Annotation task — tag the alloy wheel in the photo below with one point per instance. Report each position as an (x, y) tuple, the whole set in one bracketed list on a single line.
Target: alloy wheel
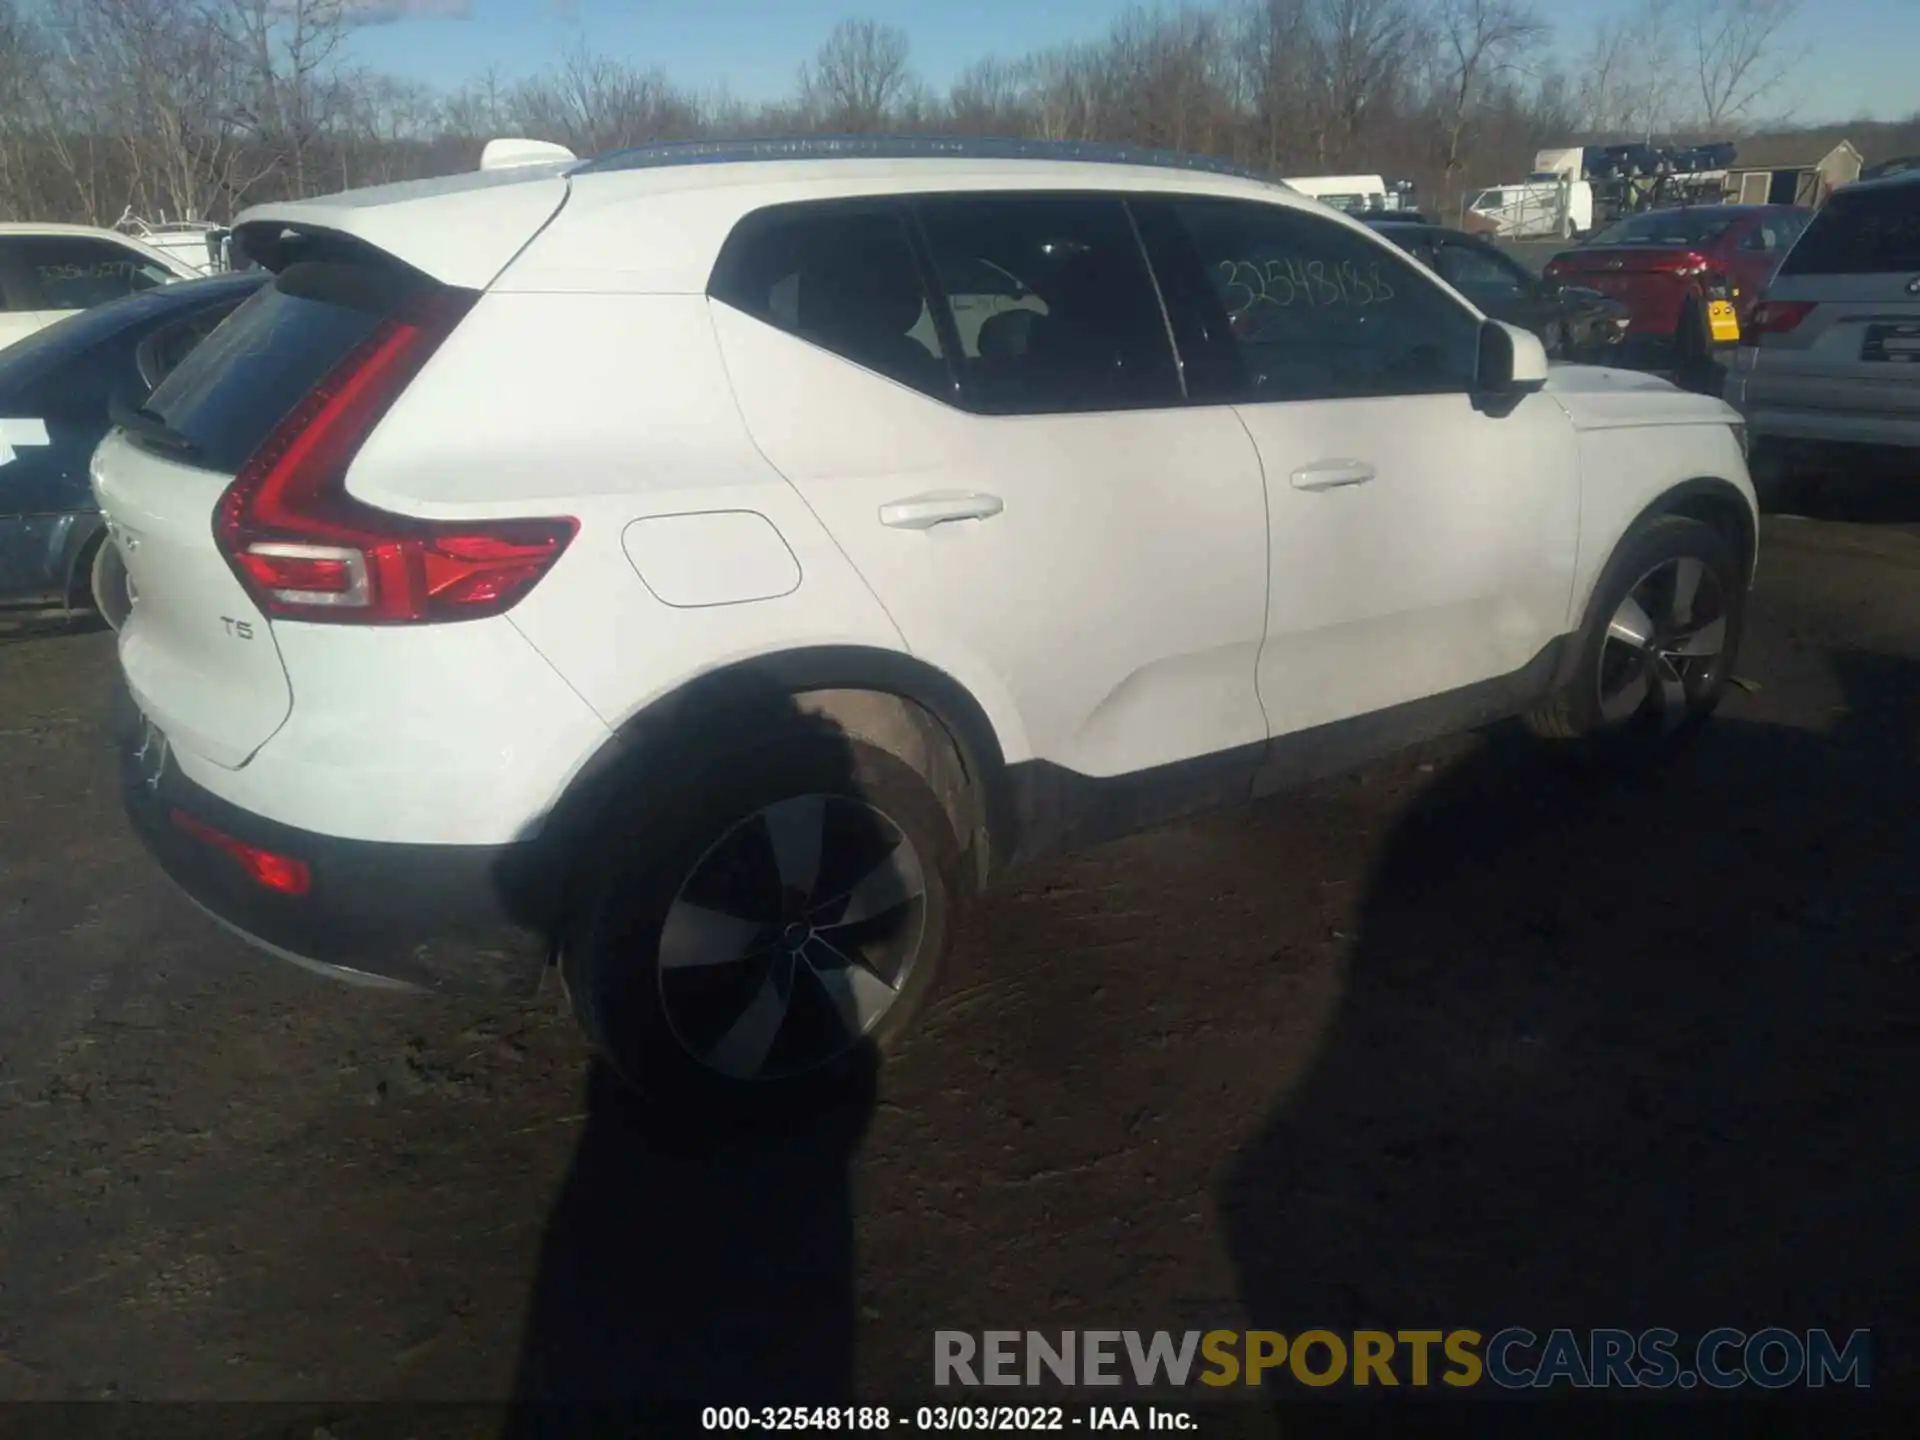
[(792, 938), (1663, 645)]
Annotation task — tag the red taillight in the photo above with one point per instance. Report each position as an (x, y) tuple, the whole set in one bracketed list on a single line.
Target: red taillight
[(1688, 263), (1775, 317), (306, 549), (275, 872)]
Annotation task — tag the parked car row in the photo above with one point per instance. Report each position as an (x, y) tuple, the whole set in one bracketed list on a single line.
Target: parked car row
[(1690, 275), (58, 390), (1574, 322)]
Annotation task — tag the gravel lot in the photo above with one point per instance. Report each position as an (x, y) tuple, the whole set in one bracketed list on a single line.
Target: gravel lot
[(1465, 1039)]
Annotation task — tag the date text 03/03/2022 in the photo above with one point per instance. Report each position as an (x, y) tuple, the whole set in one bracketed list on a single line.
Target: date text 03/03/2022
[(976, 1419)]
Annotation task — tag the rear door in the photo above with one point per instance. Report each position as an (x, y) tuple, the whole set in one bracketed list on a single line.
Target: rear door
[(198, 655), (1851, 289), (1007, 461)]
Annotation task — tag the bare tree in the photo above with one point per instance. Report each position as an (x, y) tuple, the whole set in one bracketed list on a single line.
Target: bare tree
[(1631, 81), (592, 103), (147, 83), (1478, 40), (990, 98), (1068, 95), (1279, 54), (284, 54), (859, 75), (197, 107), (1366, 46), (1737, 55)]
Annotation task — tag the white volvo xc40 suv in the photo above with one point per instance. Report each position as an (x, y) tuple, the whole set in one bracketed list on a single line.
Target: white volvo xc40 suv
[(704, 565)]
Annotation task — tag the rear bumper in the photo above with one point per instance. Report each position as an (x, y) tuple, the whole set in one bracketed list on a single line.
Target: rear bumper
[(449, 918)]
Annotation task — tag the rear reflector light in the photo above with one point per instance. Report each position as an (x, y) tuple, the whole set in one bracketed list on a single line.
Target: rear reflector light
[(1776, 317), (306, 549), (281, 873)]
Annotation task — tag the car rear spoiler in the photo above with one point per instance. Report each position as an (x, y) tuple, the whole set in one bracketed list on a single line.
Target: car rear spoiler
[(461, 230)]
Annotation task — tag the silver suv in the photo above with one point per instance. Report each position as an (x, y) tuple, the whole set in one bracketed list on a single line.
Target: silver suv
[(1831, 354)]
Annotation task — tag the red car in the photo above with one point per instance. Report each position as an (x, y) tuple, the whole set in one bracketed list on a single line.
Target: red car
[(1668, 265)]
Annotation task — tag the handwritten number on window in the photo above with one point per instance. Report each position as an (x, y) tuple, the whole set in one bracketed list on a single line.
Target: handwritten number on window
[(1247, 286)]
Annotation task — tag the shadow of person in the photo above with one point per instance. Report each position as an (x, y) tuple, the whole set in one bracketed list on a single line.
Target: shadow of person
[(700, 1250), (684, 1270), (1615, 1053)]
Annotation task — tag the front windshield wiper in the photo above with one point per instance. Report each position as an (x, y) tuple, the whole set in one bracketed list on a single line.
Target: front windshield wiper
[(141, 422)]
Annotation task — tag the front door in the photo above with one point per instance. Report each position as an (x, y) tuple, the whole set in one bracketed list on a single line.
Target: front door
[(1421, 544), (1006, 460)]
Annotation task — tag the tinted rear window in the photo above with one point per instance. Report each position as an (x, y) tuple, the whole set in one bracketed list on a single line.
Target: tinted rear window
[(261, 361), (1665, 227), (1861, 232)]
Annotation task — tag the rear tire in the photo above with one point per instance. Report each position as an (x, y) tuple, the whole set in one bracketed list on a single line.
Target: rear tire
[(1658, 646), (107, 582), (763, 926)]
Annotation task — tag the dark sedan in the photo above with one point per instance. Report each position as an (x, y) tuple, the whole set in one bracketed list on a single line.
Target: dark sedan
[(55, 389), (1573, 322)]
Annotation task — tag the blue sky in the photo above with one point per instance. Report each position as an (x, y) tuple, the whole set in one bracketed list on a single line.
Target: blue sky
[(1859, 54)]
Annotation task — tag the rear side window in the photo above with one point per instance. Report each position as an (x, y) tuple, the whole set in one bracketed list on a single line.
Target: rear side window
[(1678, 226), (162, 352), (842, 277), (233, 387), (1482, 274), (1861, 232), (76, 272), (1052, 305)]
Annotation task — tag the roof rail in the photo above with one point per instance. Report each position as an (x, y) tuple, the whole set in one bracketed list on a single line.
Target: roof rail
[(901, 147)]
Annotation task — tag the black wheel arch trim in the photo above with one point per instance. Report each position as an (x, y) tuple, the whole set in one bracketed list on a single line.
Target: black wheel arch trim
[(1675, 500), (727, 700)]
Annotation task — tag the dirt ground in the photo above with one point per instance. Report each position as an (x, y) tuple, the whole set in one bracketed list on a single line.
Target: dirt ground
[(1466, 1039)]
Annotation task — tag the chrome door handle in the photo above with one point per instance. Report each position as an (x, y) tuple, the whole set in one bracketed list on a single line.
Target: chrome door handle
[(1332, 474), (923, 512)]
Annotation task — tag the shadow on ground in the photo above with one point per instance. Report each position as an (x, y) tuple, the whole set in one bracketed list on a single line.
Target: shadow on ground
[(1857, 485), (676, 1272), (699, 1254), (1584, 1075)]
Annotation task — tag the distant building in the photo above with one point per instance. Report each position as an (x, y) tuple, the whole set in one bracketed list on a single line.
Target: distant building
[(1790, 170)]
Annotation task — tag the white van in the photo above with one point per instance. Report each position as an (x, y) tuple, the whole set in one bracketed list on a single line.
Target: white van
[(1356, 194), (1530, 209)]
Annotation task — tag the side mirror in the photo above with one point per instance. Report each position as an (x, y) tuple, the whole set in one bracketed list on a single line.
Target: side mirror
[(1512, 361)]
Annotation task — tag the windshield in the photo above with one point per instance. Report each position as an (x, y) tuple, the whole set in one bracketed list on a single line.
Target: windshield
[(1665, 227), (1491, 200)]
